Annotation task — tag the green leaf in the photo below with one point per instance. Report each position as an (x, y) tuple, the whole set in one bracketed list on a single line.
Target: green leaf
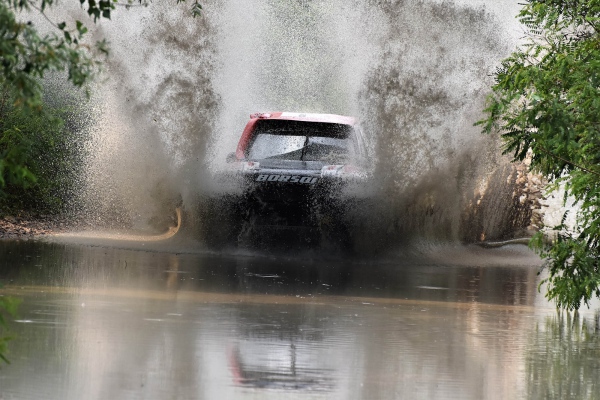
[(546, 105)]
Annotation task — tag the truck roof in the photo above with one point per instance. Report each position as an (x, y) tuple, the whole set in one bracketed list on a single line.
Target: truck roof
[(308, 117)]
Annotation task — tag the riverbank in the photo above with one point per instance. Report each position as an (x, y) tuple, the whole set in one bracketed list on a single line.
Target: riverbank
[(28, 226)]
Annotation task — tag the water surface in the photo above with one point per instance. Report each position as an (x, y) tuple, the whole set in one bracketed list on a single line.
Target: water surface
[(454, 322)]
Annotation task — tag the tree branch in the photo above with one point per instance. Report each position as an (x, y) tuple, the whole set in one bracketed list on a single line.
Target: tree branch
[(547, 152)]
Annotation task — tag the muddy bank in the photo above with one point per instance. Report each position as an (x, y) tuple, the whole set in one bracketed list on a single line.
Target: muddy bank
[(28, 226)]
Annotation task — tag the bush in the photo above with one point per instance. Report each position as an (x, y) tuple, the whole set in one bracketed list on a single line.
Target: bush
[(546, 103), (41, 153)]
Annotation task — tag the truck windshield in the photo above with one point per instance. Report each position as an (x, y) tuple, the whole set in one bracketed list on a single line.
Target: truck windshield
[(302, 141)]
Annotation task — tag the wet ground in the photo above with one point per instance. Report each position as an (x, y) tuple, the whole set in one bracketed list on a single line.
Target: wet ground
[(121, 321)]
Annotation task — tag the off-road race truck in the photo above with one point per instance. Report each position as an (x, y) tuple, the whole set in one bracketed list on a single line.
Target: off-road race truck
[(299, 177)]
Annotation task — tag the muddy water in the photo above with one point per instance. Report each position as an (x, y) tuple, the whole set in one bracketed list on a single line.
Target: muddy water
[(100, 322)]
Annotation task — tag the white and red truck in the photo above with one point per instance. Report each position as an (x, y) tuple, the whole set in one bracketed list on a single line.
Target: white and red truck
[(296, 172)]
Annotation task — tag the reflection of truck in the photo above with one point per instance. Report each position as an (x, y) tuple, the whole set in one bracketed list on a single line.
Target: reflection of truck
[(270, 364), (296, 173), (283, 348)]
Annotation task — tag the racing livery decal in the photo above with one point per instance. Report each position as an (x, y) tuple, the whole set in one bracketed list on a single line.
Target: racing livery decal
[(286, 178)]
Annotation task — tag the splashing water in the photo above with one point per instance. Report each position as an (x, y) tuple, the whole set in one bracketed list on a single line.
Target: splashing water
[(159, 111), (439, 177), (414, 72)]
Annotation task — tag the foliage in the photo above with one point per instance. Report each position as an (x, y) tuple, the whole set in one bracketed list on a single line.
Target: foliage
[(47, 148), (546, 103), (26, 54), (8, 307)]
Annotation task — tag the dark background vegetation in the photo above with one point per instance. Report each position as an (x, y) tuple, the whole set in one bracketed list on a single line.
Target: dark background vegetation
[(42, 152)]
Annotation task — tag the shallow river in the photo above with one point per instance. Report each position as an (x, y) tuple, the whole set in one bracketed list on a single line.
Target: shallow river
[(446, 322)]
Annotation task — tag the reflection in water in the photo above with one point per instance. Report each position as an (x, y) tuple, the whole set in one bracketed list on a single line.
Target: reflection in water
[(172, 273), (563, 359), (280, 349), (102, 323)]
